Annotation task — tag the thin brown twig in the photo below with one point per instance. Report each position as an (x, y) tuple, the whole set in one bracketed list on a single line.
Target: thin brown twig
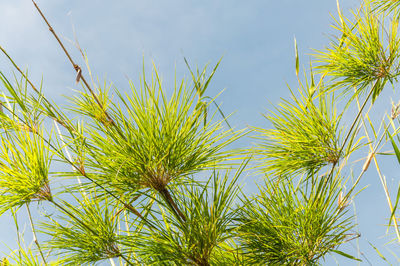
[(171, 203), (75, 66), (78, 69), (68, 126)]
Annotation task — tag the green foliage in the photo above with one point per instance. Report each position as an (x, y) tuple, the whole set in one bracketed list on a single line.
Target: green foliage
[(385, 5), (24, 170), (24, 258), (85, 104), (155, 140), (83, 234), (205, 238), (140, 159), (365, 52), (304, 137), (287, 224)]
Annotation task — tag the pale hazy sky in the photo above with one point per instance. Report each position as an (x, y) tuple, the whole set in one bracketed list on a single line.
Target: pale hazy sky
[(255, 39)]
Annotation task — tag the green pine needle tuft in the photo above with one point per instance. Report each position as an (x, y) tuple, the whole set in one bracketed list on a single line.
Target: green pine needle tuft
[(24, 169), (287, 224), (304, 137), (363, 54)]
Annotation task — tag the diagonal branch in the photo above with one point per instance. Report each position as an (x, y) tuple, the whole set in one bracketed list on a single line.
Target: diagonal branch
[(76, 66), (171, 203), (354, 123)]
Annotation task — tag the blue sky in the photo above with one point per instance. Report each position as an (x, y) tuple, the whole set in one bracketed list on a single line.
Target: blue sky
[(255, 39)]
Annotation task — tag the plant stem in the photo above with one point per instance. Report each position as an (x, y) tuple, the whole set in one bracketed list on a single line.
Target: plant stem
[(68, 126), (171, 203), (353, 124), (76, 67), (358, 115), (381, 177), (34, 234), (125, 259)]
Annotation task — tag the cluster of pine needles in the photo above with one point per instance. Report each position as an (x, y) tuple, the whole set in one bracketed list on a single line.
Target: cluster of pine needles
[(150, 176)]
